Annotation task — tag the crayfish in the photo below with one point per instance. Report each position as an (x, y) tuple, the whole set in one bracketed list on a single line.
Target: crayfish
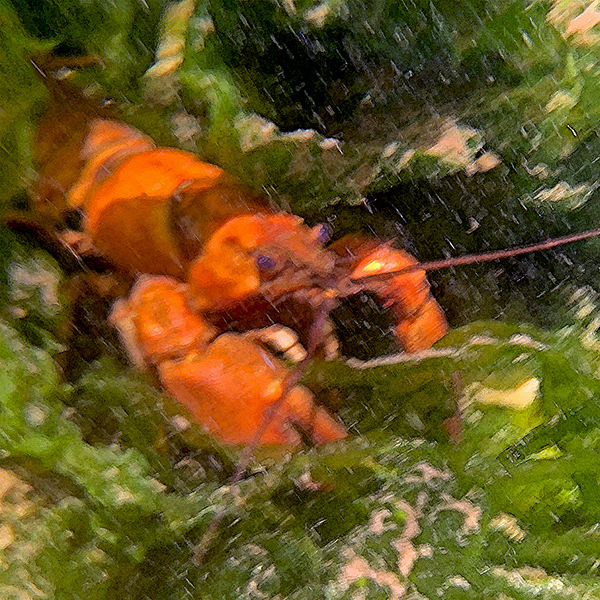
[(199, 248)]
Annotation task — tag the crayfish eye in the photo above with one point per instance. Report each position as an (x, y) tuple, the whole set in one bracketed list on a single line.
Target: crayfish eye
[(265, 263), (323, 232)]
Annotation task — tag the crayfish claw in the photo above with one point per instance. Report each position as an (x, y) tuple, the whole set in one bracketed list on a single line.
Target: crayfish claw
[(155, 323), (231, 388), (425, 327), (313, 419), (282, 341), (420, 320)]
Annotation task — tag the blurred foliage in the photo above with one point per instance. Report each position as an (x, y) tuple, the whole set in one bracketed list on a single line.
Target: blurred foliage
[(517, 501), (452, 127)]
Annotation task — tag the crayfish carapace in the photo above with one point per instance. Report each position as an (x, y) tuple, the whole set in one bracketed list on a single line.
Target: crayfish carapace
[(199, 245)]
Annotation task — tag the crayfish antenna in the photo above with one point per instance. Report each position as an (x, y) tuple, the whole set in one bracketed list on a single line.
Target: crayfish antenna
[(471, 259)]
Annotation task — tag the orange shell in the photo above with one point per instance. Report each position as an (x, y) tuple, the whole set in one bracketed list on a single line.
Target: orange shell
[(420, 331), (105, 133), (229, 388), (218, 280), (226, 271), (128, 215), (163, 325), (421, 321), (102, 159)]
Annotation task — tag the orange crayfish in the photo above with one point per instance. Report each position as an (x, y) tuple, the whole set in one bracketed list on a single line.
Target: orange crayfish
[(201, 247)]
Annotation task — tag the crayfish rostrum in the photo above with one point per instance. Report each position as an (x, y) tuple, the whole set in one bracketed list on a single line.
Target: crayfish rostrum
[(199, 246)]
